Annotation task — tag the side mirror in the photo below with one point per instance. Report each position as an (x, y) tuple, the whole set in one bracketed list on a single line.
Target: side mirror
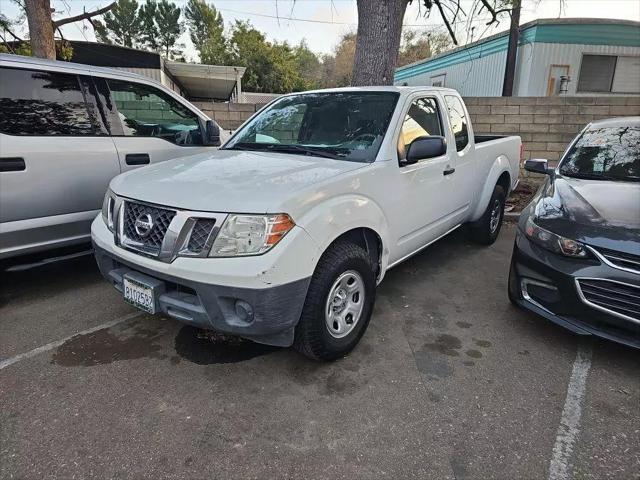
[(211, 136), (537, 165), (426, 147)]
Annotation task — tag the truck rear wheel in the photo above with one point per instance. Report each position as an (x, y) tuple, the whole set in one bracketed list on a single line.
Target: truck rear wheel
[(339, 303), (486, 229)]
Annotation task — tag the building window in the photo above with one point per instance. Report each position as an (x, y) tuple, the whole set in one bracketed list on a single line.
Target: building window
[(609, 74)]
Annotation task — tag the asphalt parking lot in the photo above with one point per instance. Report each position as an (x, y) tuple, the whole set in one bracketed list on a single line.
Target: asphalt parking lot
[(449, 381)]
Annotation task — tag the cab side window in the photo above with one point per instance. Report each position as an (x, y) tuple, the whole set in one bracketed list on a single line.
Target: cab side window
[(459, 122), (422, 119), (43, 103), (148, 112)]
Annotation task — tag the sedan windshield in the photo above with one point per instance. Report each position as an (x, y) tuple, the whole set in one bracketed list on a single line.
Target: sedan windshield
[(611, 153), (338, 125)]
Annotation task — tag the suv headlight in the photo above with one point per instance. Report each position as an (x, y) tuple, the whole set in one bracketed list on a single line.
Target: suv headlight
[(555, 243), (107, 209), (250, 234)]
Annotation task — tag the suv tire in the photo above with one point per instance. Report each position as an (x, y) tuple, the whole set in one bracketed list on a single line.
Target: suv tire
[(339, 303)]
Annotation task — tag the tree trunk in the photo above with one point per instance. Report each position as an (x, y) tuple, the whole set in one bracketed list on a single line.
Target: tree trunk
[(378, 41), (40, 28)]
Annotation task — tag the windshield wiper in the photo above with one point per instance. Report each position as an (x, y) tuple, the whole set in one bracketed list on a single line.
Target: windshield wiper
[(285, 148)]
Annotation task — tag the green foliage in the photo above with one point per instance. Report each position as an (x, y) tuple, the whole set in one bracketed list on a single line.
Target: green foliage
[(417, 46), (169, 26), (206, 29), (121, 26), (149, 30)]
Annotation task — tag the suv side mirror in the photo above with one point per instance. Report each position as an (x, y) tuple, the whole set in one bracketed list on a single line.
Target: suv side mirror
[(537, 165), (426, 147), (211, 136)]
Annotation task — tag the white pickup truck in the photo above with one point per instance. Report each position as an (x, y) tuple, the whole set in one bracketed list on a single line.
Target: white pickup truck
[(282, 235)]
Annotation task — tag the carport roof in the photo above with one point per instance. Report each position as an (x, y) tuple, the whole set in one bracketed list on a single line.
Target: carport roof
[(205, 81)]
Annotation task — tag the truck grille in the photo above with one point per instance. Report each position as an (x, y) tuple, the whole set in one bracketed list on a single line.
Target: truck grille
[(621, 260), (149, 240), (200, 234), (620, 299)]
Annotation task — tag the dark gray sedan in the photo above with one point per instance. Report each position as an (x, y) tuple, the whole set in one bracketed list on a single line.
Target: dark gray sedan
[(576, 258)]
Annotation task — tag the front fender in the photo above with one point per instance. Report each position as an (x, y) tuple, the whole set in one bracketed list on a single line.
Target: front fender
[(500, 166), (329, 219)]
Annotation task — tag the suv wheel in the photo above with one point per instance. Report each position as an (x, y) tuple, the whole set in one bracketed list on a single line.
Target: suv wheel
[(485, 230), (339, 303)]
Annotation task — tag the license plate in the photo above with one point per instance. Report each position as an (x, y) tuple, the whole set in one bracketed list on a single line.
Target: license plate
[(139, 295)]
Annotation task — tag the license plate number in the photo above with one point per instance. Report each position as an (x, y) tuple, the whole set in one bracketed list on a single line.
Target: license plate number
[(139, 295)]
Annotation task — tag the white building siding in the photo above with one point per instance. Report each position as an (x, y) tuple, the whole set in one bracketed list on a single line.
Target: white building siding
[(547, 54), (480, 77)]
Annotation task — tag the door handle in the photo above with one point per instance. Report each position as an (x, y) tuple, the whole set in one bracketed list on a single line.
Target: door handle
[(449, 171), (12, 164), (137, 158)]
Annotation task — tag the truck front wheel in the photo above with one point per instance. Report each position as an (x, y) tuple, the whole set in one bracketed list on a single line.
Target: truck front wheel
[(486, 229), (339, 303)]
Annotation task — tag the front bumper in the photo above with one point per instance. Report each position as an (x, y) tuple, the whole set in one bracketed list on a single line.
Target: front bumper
[(259, 298), (546, 284)]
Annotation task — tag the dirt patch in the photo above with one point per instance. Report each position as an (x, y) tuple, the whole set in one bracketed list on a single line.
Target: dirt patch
[(522, 195)]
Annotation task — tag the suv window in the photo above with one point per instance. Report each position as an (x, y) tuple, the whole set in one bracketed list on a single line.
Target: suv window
[(458, 121), (43, 103), (148, 112), (422, 119)]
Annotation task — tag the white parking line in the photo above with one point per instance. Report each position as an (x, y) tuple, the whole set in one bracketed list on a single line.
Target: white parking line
[(569, 428), (50, 346)]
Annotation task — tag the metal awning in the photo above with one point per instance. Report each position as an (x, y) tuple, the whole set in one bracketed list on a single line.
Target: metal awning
[(206, 81)]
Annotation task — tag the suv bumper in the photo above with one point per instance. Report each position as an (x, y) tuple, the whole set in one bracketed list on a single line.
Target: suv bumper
[(212, 294)]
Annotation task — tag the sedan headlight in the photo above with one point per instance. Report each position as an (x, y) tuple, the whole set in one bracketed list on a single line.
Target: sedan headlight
[(250, 234), (107, 209), (555, 243)]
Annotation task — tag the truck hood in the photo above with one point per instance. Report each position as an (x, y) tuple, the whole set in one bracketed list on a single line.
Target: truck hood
[(228, 180)]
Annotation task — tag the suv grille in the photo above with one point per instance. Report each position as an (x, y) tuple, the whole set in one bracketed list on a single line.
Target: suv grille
[(200, 234), (622, 260), (160, 220), (617, 298)]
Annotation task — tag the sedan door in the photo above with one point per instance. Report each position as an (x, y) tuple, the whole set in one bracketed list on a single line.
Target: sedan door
[(150, 126), (56, 159)]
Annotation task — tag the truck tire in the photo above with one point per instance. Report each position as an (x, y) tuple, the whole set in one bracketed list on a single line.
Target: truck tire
[(339, 303), (485, 230)]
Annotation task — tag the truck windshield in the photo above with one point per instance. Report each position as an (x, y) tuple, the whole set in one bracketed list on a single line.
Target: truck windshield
[(611, 153), (339, 125)]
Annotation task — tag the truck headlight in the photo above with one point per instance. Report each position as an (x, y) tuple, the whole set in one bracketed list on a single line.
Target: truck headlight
[(555, 243), (107, 209), (250, 234)]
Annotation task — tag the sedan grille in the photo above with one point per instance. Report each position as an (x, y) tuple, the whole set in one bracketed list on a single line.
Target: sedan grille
[(200, 235), (622, 260), (619, 299), (146, 225)]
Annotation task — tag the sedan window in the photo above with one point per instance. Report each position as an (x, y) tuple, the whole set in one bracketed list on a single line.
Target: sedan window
[(611, 153)]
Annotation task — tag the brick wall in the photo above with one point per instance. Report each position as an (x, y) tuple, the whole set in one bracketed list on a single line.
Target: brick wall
[(545, 124), (228, 115)]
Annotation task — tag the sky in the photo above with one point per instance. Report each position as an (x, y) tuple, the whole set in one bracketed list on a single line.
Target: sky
[(322, 22)]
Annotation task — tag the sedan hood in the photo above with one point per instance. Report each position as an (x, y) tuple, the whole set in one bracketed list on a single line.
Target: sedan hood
[(228, 180), (596, 212)]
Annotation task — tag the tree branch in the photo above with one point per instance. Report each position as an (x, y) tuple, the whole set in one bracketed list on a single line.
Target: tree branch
[(83, 16), (494, 13), (446, 21)]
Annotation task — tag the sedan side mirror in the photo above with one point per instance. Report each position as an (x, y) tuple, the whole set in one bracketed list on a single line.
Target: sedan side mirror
[(538, 165), (211, 135), (426, 147)]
